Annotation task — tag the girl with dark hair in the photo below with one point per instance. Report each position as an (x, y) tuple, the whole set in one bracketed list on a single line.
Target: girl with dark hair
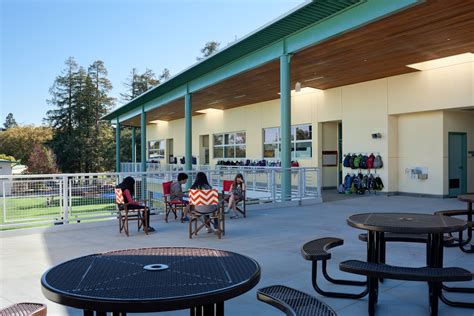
[(236, 194), (128, 191), (201, 183)]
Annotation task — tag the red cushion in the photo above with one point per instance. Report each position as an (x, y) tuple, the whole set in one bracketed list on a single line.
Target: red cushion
[(167, 187), (226, 185), (176, 202)]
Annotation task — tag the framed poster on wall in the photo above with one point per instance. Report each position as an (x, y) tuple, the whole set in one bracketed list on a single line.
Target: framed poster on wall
[(329, 158)]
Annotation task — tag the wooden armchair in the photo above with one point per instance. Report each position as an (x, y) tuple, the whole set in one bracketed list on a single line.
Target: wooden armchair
[(198, 219), (226, 195), (26, 309), (172, 205), (126, 214)]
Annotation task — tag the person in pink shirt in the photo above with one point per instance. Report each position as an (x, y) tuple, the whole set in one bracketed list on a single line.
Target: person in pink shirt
[(128, 190)]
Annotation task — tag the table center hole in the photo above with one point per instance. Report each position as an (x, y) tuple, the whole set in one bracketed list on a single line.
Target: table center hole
[(156, 267)]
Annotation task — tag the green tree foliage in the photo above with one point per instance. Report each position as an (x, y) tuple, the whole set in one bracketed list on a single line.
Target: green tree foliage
[(19, 141), (81, 142), (42, 161), (208, 49), (9, 121), (137, 83)]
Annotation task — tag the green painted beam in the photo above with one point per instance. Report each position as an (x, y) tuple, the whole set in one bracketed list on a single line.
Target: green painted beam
[(345, 21), (356, 16)]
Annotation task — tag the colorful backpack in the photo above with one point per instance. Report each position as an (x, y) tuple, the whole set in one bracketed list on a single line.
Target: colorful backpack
[(378, 163), (370, 161), (357, 160), (363, 162), (346, 162)]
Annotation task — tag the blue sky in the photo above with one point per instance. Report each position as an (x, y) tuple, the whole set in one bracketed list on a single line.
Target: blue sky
[(38, 35)]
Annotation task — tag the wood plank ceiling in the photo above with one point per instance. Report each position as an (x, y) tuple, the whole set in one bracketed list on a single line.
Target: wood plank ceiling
[(431, 30)]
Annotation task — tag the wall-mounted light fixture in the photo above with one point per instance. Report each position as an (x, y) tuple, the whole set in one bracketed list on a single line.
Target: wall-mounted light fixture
[(376, 135), (298, 86)]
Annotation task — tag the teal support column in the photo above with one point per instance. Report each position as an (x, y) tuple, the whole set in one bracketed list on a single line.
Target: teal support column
[(143, 150), (285, 125), (143, 140), (117, 146), (188, 135), (134, 148)]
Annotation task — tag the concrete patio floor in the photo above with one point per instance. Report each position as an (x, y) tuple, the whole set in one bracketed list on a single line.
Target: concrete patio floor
[(273, 237)]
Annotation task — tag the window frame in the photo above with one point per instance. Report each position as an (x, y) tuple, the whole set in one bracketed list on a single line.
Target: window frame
[(229, 143), (294, 142), (161, 148)]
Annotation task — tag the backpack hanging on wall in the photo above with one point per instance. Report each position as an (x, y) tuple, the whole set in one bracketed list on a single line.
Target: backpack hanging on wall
[(370, 161), (346, 163), (378, 184), (357, 160), (378, 163), (363, 162), (351, 161)]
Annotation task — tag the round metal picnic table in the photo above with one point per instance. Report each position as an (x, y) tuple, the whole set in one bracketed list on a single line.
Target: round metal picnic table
[(435, 226), (151, 280)]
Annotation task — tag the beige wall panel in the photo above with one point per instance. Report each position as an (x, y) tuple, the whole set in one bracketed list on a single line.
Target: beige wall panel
[(462, 122), (364, 112), (330, 105), (329, 142), (441, 88), (420, 145), (392, 166)]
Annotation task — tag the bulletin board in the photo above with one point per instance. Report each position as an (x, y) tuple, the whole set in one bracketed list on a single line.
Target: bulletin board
[(330, 158)]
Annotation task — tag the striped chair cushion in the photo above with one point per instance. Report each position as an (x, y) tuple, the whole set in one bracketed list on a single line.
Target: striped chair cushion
[(119, 196), (203, 197)]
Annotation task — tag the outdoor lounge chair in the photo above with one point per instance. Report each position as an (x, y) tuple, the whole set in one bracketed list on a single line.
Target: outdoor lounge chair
[(226, 194), (125, 215), (24, 309), (200, 220), (172, 205)]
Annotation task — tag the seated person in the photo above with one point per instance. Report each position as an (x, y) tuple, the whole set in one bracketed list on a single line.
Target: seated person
[(236, 194), (201, 183), (128, 190), (177, 194)]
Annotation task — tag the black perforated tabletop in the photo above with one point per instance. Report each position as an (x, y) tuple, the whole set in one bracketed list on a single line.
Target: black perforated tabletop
[(119, 281), (406, 223)]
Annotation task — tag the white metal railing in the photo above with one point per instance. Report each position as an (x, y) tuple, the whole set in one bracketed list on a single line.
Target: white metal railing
[(32, 200), (153, 166)]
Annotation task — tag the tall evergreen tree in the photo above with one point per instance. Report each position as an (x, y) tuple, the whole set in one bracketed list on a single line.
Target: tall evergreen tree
[(9, 121), (81, 141)]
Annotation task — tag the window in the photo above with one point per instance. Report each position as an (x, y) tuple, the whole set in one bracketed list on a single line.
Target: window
[(301, 136), (230, 145), (156, 149)]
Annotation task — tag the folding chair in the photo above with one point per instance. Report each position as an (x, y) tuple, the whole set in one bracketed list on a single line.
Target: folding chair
[(24, 309), (226, 195), (125, 214), (205, 198), (172, 205)]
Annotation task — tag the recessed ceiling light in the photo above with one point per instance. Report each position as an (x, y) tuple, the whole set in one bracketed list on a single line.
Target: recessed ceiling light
[(443, 62), (158, 121), (209, 110)]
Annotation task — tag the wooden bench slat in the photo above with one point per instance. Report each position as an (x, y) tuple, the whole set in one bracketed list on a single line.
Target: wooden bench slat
[(294, 302), (317, 249), (450, 274)]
